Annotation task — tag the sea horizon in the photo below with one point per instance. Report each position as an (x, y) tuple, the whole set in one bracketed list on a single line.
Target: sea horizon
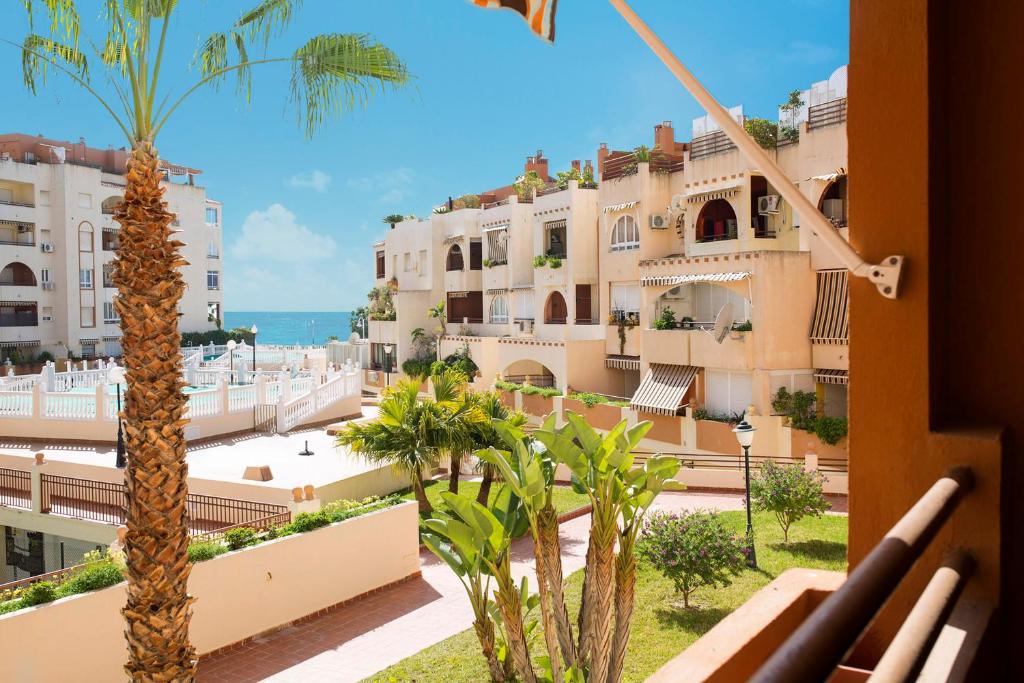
[(292, 327)]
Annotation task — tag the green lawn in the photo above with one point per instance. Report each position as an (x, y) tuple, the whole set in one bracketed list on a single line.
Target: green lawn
[(565, 499), (661, 629)]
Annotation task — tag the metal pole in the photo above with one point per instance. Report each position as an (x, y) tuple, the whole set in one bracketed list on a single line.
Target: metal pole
[(254, 354), (121, 460), (751, 555)]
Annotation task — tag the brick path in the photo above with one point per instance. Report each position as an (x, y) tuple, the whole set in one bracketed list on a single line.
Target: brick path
[(382, 629)]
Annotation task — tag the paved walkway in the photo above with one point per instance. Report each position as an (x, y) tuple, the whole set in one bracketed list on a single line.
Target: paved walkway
[(382, 629)]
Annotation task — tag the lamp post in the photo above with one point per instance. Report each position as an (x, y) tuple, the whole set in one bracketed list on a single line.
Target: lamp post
[(744, 432), (231, 359), (115, 374), (254, 331), (388, 348)]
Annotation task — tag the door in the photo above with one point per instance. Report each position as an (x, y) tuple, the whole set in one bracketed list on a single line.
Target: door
[(476, 255), (583, 313), (556, 309)]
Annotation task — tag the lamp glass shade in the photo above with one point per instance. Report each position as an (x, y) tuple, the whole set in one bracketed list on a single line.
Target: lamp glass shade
[(253, 329), (231, 344), (388, 348), (115, 375), (744, 432)]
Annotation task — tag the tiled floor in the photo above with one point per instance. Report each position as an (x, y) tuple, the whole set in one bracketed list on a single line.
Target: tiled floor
[(375, 632)]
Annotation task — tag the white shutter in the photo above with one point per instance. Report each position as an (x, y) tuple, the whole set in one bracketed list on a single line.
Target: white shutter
[(524, 305), (741, 392), (716, 391)]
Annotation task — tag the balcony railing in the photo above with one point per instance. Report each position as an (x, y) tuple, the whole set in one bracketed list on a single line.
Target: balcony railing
[(710, 145), (544, 381), (20, 243), (827, 114), (730, 234), (819, 645), (29, 205), (19, 319), (15, 488)]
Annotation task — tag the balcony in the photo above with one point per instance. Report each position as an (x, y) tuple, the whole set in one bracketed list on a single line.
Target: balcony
[(613, 345), (18, 314), (827, 114), (698, 347), (710, 145), (496, 277), (463, 280), (384, 331), (18, 212)]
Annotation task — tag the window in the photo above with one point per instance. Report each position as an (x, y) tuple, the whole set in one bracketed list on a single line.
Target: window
[(213, 312), (6, 195), (44, 276), (88, 316), (108, 275), (110, 313), (454, 261), (84, 200), (213, 279), (380, 265), (422, 263), (85, 237), (708, 300), (716, 221), (88, 349), (524, 304), (85, 278), (497, 245), (625, 234), (407, 261), (555, 239), (476, 255), (212, 250), (211, 216), (111, 239), (17, 315), (499, 309), (380, 359), (44, 197), (625, 301), (727, 393), (47, 314)]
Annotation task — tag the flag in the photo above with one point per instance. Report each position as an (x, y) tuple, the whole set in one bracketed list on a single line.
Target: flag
[(540, 14)]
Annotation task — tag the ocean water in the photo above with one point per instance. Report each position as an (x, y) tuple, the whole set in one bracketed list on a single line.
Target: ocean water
[(292, 327)]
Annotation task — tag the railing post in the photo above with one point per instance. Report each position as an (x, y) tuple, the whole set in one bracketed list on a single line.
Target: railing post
[(261, 388), (286, 387), (100, 408), (48, 378), (225, 406), (37, 401), (37, 484)]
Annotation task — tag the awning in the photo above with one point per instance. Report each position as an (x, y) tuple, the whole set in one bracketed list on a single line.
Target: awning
[(619, 207), (707, 195), (19, 343), (17, 303), (89, 341), (555, 224), (111, 337), (496, 291), (832, 376), (458, 295), (520, 288), (662, 390), (662, 280), (622, 362), (831, 323), (828, 177), (495, 228)]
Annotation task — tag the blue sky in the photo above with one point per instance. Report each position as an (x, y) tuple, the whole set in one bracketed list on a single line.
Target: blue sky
[(300, 213)]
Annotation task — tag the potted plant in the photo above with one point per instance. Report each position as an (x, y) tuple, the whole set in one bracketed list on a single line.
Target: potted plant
[(666, 321), (687, 323)]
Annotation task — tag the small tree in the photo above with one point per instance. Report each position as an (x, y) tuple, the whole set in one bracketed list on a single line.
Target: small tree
[(693, 549), (764, 132), (790, 492), (527, 184)]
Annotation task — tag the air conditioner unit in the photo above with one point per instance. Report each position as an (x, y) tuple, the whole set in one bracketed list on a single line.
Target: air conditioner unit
[(46, 247), (47, 318), (659, 222), (48, 286), (768, 203)]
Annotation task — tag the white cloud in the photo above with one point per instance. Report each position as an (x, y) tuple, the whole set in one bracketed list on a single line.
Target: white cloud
[(390, 186), (274, 236), (316, 180)]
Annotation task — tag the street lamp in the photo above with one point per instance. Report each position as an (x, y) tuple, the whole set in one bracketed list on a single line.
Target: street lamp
[(744, 432), (231, 359), (254, 331), (388, 348), (115, 375)]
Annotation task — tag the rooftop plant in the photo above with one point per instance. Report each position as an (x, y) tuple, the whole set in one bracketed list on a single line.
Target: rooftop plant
[(764, 132)]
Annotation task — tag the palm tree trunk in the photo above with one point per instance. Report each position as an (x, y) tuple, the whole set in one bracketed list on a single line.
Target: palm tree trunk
[(484, 627), (484, 494), (625, 586), (595, 641), (547, 614), (511, 608), (547, 523), (146, 272), (454, 464), (421, 495)]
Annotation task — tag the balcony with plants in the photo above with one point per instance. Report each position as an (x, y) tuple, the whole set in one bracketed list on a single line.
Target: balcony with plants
[(676, 337)]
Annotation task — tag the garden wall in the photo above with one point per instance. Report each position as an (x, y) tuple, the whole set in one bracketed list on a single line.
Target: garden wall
[(238, 595), (601, 416)]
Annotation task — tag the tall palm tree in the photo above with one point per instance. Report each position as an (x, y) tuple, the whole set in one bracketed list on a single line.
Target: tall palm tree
[(450, 395), (330, 74)]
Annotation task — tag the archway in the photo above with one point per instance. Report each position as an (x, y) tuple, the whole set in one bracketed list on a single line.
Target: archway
[(834, 201), (716, 221), (110, 204), (18, 275), (537, 373), (454, 261), (555, 310)]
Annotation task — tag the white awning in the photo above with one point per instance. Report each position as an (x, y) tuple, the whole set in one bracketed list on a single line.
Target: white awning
[(19, 342), (619, 207), (828, 177), (494, 228), (663, 389), (662, 280), (709, 193), (622, 362)]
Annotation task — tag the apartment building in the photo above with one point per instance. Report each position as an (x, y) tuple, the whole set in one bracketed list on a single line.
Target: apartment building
[(57, 241), (681, 279)]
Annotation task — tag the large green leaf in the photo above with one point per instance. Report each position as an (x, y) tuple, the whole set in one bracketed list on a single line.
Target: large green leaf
[(443, 550)]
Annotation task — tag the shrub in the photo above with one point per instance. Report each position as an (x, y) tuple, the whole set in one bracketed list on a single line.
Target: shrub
[(540, 261), (554, 262), (45, 357), (308, 521), (590, 400), (764, 132), (693, 549), (39, 593), (547, 392), (414, 367), (92, 577), (745, 326), (437, 367), (798, 407), (204, 550), (831, 429), (240, 537), (666, 321), (790, 492)]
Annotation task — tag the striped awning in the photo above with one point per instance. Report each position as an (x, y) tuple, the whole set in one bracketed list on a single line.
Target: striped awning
[(111, 337), (497, 291), (832, 376), (555, 224), (494, 228), (828, 177), (619, 207), (831, 323), (622, 362), (662, 390), (19, 343), (458, 295), (89, 340), (662, 280), (520, 288), (713, 193)]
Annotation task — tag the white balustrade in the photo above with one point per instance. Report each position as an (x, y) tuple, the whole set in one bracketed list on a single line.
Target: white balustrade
[(204, 403), (15, 403), (241, 397), (68, 406)]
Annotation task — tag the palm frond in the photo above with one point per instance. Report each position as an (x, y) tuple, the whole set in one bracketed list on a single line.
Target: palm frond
[(335, 73), (39, 52), (212, 56), (267, 19), (62, 17), (245, 72)]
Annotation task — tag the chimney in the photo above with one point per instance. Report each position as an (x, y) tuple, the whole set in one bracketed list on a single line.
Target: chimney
[(665, 137), (602, 154), (538, 163), (576, 165)]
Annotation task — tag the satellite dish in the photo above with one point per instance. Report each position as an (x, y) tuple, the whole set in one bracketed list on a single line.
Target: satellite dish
[(723, 322)]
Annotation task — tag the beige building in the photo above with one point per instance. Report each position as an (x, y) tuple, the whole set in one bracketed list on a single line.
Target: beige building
[(682, 279), (57, 239)]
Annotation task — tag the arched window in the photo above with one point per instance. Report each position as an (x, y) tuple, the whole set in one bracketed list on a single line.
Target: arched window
[(454, 261), (85, 237), (716, 221), (555, 311), (499, 309), (18, 275), (625, 234), (110, 204)]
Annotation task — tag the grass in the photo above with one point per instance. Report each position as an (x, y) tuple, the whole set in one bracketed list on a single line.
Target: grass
[(660, 628), (565, 499)]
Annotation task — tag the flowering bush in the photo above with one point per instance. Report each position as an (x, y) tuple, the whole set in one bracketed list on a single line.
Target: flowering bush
[(790, 492), (693, 549)]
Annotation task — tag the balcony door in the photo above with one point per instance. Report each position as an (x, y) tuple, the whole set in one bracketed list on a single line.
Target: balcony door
[(583, 304)]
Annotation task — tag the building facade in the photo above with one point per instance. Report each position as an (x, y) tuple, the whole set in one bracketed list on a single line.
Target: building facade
[(57, 241), (680, 279)]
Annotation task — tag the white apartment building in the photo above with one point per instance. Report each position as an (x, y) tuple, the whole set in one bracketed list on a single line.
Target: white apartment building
[(568, 286), (57, 239)]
